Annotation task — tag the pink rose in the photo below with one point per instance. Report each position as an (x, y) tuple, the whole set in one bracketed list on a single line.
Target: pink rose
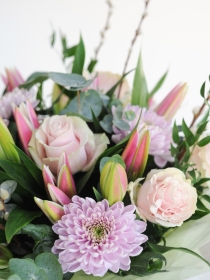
[(69, 134), (166, 197)]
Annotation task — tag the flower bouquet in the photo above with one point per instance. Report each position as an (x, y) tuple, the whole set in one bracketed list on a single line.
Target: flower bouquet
[(101, 183)]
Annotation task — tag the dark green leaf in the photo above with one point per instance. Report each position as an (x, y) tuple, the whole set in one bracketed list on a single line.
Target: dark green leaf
[(4, 177), (18, 218), (69, 52), (202, 90), (84, 103), (96, 123), (206, 197), (79, 58), (140, 91), (92, 65), (4, 274), (98, 196), (106, 123), (111, 91), (52, 39), (198, 215), (192, 174), (2, 236), (31, 166), (190, 138), (175, 134), (20, 174), (201, 181), (173, 150), (163, 249), (201, 206), (83, 180), (204, 141), (201, 128), (158, 85), (39, 232)]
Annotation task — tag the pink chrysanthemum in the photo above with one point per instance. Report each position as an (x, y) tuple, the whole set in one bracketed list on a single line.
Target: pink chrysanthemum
[(16, 96), (160, 132), (96, 238)]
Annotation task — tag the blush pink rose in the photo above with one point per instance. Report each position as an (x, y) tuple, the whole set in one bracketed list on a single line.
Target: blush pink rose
[(70, 134), (166, 197)]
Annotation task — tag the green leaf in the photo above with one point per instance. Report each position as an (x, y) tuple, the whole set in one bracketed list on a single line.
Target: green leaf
[(163, 249), (190, 138), (204, 141), (14, 277), (4, 177), (175, 133), (201, 206), (39, 232), (79, 58), (84, 103), (201, 128), (52, 39), (35, 78), (2, 236), (31, 166), (20, 174), (98, 196), (49, 263), (4, 274), (83, 180), (201, 181), (140, 91), (158, 85), (18, 218), (67, 80), (69, 52), (96, 123), (130, 115), (103, 161), (106, 123), (26, 269), (202, 90), (114, 158), (111, 91), (206, 197), (92, 65)]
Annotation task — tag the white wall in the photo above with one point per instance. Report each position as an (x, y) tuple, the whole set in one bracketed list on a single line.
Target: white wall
[(176, 35)]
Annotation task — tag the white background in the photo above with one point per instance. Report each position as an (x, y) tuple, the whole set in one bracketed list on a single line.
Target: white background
[(176, 36)]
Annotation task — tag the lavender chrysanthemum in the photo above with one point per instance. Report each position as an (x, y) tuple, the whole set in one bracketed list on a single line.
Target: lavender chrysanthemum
[(16, 96), (96, 238), (160, 132)]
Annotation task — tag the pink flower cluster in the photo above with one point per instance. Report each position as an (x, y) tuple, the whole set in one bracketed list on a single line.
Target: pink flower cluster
[(96, 238)]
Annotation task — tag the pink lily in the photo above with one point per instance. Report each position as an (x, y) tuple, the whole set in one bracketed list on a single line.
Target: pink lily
[(172, 101), (135, 154), (12, 79), (26, 120), (113, 182)]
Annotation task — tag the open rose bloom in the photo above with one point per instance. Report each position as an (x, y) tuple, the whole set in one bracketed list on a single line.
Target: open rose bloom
[(69, 134), (166, 198)]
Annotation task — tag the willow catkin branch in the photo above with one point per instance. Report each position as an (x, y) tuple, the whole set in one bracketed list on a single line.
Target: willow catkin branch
[(137, 33), (106, 27)]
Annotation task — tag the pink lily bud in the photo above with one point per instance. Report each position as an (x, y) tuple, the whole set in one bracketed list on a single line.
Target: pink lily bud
[(57, 195), (65, 180), (172, 101), (12, 79), (52, 210), (47, 176), (26, 120), (135, 154), (113, 182)]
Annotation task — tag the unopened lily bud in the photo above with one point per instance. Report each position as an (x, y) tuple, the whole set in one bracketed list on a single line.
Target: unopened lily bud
[(135, 154), (6, 142), (113, 182), (171, 103)]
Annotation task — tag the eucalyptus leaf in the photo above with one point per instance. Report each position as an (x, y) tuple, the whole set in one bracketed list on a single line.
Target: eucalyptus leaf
[(130, 115), (96, 123), (35, 78), (140, 90), (67, 80), (14, 277), (121, 124), (84, 103), (79, 57), (17, 219), (39, 232), (105, 99), (106, 123), (103, 161)]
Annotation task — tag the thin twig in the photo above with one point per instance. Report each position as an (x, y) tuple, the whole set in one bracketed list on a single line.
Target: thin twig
[(106, 27), (199, 112), (137, 33)]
